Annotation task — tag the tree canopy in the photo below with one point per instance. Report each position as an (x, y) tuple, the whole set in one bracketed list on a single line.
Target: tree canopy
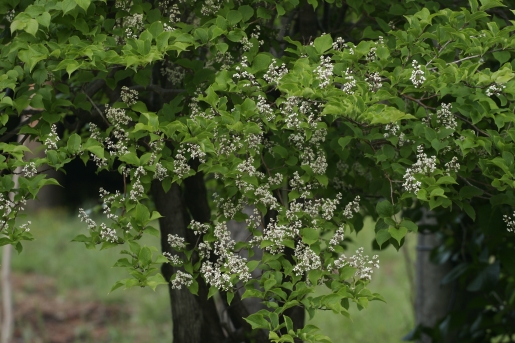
[(295, 118)]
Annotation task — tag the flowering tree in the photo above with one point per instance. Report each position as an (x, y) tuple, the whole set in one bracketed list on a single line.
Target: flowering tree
[(218, 112)]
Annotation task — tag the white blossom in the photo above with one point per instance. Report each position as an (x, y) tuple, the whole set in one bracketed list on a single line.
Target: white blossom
[(129, 96), (181, 279), (176, 242), (417, 75), (361, 262), (324, 71), (510, 222), (494, 89)]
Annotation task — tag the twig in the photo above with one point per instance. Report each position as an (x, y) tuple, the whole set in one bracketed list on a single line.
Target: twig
[(474, 126), (96, 107)]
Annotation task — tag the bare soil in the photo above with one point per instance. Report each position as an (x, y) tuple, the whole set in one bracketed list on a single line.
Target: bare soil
[(43, 315)]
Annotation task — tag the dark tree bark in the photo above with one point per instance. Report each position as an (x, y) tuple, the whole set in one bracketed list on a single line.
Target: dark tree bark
[(195, 318)]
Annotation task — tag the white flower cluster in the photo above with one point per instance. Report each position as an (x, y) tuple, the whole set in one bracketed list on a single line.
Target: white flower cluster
[(29, 170), (174, 14), (218, 274), (227, 206), (391, 130), (173, 259), (180, 165), (229, 145), (339, 44), (254, 141), (371, 55), (118, 118), (133, 25), (84, 217), (495, 89), (161, 172), (374, 81), (25, 227), (243, 74), (215, 277), (210, 7), (445, 117), (129, 96), (256, 33), (316, 161), (137, 189), (275, 72), (174, 74), (324, 71), (338, 237), (9, 16), (353, 206), (306, 258), (362, 264), (264, 108), (7, 206), (108, 200), (124, 5), (246, 44), (176, 242), (277, 234), (181, 279), (452, 166), (108, 234), (348, 87), (510, 222), (424, 165), (198, 228), (417, 75), (225, 59), (52, 139)]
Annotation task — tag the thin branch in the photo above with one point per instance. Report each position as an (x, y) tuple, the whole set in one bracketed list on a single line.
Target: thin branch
[(482, 190), (416, 100), (474, 126), (96, 107)]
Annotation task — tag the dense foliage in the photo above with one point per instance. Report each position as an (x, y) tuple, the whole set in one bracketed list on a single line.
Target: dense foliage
[(299, 119)]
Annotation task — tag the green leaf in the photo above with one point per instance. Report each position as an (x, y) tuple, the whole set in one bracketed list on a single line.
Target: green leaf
[(468, 192), (156, 280), (487, 4), (73, 144), (382, 236), (445, 180), (344, 141), (246, 12), (408, 224), (257, 321), (130, 158), (398, 234), (32, 26), (145, 256), (323, 43), (234, 17), (385, 209), (230, 296), (84, 4), (269, 284), (309, 235)]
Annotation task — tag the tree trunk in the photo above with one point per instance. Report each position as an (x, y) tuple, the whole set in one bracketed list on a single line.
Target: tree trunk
[(432, 299), (195, 318)]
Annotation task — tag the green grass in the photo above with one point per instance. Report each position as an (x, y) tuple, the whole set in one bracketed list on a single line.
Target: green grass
[(76, 268)]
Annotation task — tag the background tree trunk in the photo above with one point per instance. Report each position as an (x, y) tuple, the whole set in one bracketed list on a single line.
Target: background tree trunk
[(432, 299)]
